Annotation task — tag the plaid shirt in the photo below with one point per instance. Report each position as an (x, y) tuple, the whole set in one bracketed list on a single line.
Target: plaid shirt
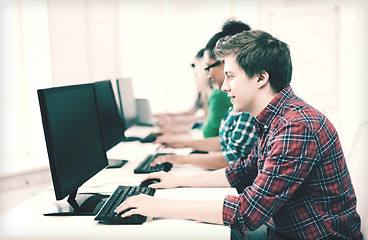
[(295, 181), (237, 135)]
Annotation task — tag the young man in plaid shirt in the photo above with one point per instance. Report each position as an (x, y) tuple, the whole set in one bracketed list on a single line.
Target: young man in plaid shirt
[(295, 181)]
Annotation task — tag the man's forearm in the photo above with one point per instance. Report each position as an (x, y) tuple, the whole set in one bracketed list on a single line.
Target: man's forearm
[(208, 161), (215, 178), (208, 144), (203, 211)]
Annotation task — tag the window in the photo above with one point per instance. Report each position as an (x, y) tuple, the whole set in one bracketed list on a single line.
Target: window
[(25, 67)]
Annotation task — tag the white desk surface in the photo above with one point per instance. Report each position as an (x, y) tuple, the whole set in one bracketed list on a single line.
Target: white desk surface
[(27, 222)]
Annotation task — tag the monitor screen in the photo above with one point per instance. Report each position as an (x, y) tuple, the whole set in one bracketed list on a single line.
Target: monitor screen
[(127, 101), (145, 116), (112, 128), (73, 137)]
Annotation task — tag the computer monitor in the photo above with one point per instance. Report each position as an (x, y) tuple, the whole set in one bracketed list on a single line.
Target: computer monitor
[(127, 102), (145, 116), (75, 146), (111, 122), (134, 111)]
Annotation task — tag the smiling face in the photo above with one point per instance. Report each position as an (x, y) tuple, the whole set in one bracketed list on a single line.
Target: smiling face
[(216, 73), (241, 89)]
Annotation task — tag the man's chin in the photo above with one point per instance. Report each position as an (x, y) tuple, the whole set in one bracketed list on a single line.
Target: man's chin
[(237, 109)]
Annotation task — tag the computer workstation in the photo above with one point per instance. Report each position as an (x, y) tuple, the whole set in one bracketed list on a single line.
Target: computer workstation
[(137, 112), (76, 150), (134, 112), (117, 118), (26, 220), (80, 175), (113, 125)]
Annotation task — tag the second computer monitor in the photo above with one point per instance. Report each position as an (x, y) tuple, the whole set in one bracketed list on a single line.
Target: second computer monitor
[(111, 122)]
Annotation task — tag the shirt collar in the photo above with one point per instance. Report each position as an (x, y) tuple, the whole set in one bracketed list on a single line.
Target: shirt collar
[(267, 115)]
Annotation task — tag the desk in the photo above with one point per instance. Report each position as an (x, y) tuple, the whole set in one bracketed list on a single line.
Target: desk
[(27, 222)]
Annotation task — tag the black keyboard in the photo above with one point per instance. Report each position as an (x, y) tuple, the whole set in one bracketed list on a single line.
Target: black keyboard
[(144, 166), (107, 214), (150, 138)]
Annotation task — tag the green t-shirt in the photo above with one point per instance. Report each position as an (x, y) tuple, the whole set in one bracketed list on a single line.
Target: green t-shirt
[(218, 104)]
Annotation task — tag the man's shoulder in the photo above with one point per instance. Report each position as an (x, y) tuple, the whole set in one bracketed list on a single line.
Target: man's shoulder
[(297, 111)]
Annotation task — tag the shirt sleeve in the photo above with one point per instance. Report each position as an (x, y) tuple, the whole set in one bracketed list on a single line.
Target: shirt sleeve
[(218, 104), (242, 138), (243, 172), (291, 154)]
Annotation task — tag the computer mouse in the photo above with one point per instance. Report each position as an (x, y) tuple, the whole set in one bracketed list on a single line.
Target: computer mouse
[(149, 181)]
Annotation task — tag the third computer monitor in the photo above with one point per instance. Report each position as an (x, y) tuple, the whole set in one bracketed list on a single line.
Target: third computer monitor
[(127, 101)]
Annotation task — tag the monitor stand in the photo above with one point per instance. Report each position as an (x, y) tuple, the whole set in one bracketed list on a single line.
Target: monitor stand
[(78, 205), (131, 139)]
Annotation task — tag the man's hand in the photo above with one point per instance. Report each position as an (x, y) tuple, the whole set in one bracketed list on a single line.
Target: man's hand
[(142, 204)]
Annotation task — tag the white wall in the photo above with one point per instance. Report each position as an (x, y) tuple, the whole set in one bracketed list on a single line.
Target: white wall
[(154, 41), (25, 67), (332, 37), (151, 41), (159, 40)]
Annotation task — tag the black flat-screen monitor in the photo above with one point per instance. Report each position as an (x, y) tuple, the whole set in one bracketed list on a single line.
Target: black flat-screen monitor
[(75, 145), (112, 128), (111, 121)]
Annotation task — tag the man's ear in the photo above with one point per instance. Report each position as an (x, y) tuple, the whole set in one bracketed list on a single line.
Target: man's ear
[(262, 79)]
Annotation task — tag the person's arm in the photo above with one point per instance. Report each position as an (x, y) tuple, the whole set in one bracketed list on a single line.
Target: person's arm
[(173, 140), (205, 211), (208, 161), (211, 144), (239, 138), (215, 178), (182, 127)]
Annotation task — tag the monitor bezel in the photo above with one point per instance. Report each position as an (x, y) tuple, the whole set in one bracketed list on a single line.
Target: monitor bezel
[(60, 191)]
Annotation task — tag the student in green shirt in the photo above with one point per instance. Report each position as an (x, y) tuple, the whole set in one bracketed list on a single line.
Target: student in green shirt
[(218, 102)]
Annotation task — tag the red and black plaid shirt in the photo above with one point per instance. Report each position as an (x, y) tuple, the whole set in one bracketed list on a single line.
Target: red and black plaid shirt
[(295, 181)]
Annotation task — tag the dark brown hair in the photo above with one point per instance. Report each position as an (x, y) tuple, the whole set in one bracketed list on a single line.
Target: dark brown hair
[(257, 52), (229, 28)]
